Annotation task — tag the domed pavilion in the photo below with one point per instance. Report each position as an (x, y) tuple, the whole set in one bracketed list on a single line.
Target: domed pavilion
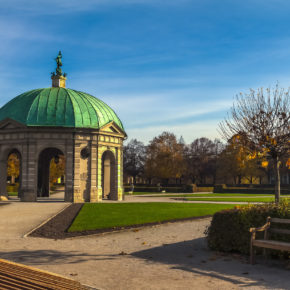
[(42, 124)]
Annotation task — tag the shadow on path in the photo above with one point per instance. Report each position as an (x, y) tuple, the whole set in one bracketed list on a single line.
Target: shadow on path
[(52, 257), (194, 257)]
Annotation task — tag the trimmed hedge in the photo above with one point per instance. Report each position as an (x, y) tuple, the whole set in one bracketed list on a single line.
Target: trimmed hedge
[(229, 229), (222, 188)]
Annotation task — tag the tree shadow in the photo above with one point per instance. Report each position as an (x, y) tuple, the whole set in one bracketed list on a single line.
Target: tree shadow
[(194, 257), (52, 257)]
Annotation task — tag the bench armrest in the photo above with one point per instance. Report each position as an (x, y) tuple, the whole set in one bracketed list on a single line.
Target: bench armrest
[(265, 227)]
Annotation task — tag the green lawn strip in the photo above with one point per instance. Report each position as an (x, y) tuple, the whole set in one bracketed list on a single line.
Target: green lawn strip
[(221, 195), (106, 216), (214, 195), (141, 193), (12, 193), (235, 199)]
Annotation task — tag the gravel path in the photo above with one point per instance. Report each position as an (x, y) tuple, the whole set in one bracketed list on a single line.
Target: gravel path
[(168, 256), (163, 198)]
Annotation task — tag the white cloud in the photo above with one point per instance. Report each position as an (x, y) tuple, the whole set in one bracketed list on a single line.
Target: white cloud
[(188, 131), (69, 6)]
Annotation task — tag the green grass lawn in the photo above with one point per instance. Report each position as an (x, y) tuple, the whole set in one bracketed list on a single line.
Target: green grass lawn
[(104, 216), (12, 193), (236, 199)]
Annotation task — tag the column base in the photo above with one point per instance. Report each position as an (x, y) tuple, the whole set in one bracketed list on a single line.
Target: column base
[(28, 196)]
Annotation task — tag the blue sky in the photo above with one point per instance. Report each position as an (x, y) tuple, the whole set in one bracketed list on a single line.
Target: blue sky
[(161, 65)]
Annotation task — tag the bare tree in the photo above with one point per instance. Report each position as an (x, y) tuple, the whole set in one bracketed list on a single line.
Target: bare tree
[(201, 158), (261, 122), (134, 158)]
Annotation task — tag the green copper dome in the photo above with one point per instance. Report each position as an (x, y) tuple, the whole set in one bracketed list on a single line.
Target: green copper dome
[(60, 107)]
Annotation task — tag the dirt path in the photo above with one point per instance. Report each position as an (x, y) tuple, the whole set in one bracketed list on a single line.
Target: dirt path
[(169, 256)]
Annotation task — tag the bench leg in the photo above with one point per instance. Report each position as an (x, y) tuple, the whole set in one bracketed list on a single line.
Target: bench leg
[(265, 252), (252, 252)]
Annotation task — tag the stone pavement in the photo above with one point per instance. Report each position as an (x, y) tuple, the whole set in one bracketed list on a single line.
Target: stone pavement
[(18, 218)]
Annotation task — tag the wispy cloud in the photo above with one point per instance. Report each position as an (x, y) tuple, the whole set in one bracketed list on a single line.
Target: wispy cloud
[(70, 6), (188, 131)]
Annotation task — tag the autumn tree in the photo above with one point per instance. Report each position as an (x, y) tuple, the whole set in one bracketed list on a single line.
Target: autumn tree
[(261, 120), (134, 158), (164, 157), (235, 163), (56, 169), (13, 167)]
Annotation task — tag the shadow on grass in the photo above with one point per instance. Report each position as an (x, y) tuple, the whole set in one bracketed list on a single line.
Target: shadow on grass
[(194, 257)]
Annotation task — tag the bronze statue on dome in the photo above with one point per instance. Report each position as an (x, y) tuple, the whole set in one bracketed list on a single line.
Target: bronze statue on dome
[(59, 64), (58, 70)]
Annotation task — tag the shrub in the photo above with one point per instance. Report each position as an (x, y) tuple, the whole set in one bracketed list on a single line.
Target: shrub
[(229, 229)]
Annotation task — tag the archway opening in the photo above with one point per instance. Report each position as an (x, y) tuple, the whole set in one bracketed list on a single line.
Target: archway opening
[(13, 185), (51, 174), (109, 176)]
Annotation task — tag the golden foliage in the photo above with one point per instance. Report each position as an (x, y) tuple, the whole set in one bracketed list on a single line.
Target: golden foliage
[(288, 163), (13, 165), (56, 170), (164, 157)]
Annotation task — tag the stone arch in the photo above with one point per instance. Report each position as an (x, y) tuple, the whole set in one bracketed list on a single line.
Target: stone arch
[(6, 152), (109, 184), (44, 158)]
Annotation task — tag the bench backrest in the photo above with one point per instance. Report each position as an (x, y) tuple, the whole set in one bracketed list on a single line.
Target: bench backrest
[(280, 221)]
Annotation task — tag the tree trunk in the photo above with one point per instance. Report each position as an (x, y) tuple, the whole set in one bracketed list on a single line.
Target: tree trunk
[(277, 179), (12, 179), (234, 179)]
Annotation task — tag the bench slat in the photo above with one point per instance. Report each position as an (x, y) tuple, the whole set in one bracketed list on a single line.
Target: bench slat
[(270, 244), (281, 221), (280, 231), (22, 274)]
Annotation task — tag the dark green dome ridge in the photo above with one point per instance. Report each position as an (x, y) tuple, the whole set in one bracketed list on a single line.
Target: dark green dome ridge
[(59, 107)]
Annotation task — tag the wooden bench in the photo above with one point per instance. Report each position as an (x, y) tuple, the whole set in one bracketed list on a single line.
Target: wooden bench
[(18, 276), (266, 243)]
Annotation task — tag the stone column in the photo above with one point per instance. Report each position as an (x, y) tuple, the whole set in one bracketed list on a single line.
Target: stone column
[(121, 193), (69, 172), (29, 173), (94, 197), (99, 173), (77, 195), (3, 177)]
